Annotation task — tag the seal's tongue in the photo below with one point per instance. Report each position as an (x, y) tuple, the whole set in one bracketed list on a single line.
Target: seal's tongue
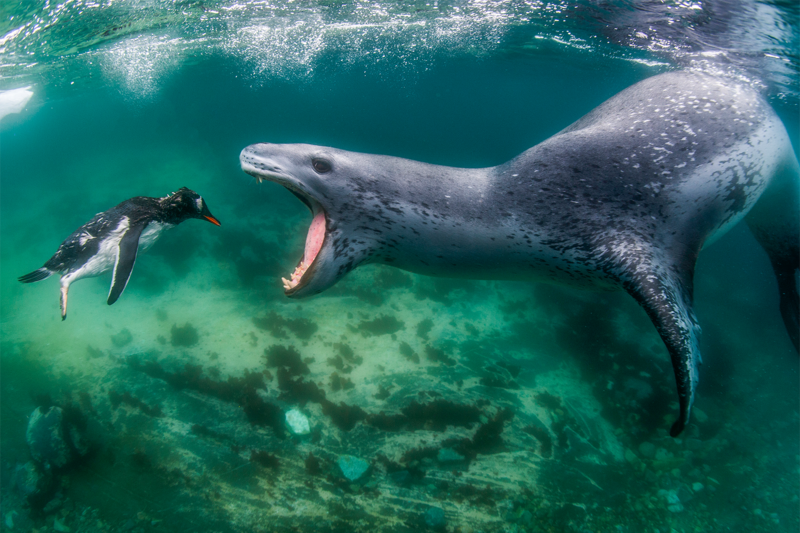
[(316, 234), (314, 240)]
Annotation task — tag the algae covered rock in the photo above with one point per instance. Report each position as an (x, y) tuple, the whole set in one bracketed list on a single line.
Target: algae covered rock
[(449, 455), (647, 449), (435, 518), (54, 440), (352, 467), (46, 440), (32, 482)]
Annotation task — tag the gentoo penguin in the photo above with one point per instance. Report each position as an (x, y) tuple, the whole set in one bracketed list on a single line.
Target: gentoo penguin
[(113, 238)]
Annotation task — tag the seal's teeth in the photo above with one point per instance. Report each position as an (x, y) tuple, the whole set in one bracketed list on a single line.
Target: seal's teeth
[(296, 275)]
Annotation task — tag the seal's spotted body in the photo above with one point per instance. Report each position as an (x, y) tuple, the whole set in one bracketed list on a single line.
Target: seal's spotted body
[(624, 198)]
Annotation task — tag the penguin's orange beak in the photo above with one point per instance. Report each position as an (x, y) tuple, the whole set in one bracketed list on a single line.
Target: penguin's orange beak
[(212, 220)]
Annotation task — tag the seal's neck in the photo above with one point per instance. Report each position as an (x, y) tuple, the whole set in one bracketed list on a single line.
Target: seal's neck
[(442, 221)]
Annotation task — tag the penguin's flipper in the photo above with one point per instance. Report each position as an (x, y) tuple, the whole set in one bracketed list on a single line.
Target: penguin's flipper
[(36, 275), (126, 257)]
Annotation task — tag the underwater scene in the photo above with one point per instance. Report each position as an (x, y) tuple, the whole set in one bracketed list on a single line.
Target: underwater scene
[(206, 400)]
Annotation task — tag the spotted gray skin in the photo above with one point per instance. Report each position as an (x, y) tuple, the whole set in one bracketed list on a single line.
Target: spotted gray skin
[(626, 197)]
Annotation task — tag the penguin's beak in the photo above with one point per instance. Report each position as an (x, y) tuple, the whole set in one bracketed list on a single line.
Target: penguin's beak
[(206, 214)]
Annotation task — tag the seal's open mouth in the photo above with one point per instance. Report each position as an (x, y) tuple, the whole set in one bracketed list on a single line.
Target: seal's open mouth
[(315, 238), (314, 241)]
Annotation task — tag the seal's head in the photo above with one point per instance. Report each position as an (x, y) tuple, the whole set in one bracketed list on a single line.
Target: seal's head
[(317, 176)]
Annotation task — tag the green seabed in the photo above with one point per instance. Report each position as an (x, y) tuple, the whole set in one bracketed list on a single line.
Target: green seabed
[(509, 406)]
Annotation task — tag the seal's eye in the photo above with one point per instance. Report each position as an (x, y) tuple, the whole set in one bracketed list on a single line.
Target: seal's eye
[(321, 166)]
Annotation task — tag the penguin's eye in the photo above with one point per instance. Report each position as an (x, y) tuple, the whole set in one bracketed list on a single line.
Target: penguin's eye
[(321, 166)]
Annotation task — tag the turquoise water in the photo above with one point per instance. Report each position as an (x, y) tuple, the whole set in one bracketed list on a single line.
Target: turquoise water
[(556, 402)]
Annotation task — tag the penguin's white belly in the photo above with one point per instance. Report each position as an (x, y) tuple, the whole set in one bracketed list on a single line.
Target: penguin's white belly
[(151, 234), (104, 259), (106, 256)]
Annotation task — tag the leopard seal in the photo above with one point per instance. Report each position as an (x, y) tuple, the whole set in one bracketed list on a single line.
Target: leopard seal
[(626, 198)]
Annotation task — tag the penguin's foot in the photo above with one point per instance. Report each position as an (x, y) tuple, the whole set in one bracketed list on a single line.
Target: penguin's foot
[(64, 291)]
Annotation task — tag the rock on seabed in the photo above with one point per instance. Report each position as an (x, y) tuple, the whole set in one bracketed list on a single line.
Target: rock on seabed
[(435, 518), (45, 437), (297, 422), (352, 467)]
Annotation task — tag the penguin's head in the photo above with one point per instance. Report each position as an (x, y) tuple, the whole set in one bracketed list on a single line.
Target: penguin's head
[(185, 204)]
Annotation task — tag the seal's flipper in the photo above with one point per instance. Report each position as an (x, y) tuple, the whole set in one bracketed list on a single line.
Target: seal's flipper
[(790, 300), (786, 265), (664, 290), (775, 223), (126, 257)]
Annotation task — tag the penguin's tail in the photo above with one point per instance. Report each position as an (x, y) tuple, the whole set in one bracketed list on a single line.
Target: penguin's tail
[(36, 275)]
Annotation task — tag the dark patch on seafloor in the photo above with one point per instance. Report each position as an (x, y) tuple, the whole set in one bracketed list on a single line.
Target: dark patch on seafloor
[(423, 328), (346, 359), (241, 391), (381, 325), (122, 338), (408, 352), (128, 399), (438, 355), (185, 335), (302, 328)]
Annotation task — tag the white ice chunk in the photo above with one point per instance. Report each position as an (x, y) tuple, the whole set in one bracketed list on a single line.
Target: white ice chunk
[(14, 100)]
